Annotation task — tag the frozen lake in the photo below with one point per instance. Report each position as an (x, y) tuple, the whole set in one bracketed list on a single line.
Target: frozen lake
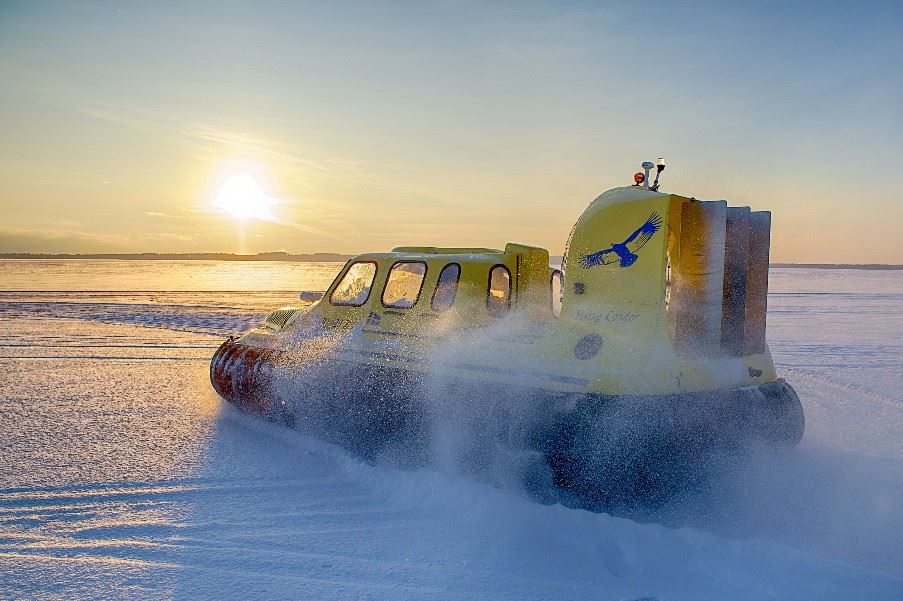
[(123, 475)]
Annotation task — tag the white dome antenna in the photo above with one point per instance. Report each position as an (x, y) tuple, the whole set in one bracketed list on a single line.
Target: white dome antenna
[(647, 167)]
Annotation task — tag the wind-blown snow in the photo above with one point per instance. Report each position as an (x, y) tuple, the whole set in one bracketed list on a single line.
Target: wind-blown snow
[(123, 475)]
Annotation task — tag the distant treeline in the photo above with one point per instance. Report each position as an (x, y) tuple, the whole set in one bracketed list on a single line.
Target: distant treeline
[(873, 266), (273, 256), (335, 257)]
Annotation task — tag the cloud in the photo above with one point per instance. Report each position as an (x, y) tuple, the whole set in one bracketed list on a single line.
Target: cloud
[(301, 169), (166, 237), (13, 240), (200, 132)]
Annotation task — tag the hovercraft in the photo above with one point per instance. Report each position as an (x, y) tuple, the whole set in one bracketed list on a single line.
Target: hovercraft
[(646, 350)]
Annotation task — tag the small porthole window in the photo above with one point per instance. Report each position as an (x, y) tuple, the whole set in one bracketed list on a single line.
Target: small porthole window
[(555, 288), (404, 284), (354, 288), (498, 297), (446, 287)]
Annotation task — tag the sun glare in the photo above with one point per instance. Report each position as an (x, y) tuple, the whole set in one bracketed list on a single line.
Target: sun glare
[(243, 197)]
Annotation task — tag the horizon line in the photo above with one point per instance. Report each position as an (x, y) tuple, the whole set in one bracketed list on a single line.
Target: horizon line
[(330, 257)]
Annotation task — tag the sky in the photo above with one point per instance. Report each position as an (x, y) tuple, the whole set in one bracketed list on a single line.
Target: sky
[(362, 126)]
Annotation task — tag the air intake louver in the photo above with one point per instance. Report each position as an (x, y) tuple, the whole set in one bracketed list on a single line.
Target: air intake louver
[(278, 318), (720, 281), (736, 263), (697, 294), (757, 281)]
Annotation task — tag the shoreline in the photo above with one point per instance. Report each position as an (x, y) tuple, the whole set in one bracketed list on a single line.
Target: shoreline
[(339, 258), (274, 256)]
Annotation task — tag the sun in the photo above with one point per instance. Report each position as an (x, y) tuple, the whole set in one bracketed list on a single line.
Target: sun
[(242, 196)]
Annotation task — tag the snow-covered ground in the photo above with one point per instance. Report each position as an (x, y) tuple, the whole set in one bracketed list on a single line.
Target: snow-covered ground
[(123, 475)]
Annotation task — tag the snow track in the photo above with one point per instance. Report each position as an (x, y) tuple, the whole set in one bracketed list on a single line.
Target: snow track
[(281, 516), (215, 321)]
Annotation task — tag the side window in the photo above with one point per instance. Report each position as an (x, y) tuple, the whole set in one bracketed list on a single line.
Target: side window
[(354, 289), (446, 287), (498, 298), (404, 284), (555, 291)]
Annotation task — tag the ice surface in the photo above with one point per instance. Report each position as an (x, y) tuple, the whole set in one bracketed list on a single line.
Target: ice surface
[(123, 475)]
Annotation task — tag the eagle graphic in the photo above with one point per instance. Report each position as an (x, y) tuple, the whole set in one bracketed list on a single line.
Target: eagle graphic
[(625, 252)]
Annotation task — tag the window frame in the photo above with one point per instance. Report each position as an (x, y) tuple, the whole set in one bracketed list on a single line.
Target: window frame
[(560, 275), (489, 289), (342, 277), (436, 290), (382, 296)]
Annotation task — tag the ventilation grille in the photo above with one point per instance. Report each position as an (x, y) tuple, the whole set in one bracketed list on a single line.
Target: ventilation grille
[(278, 318)]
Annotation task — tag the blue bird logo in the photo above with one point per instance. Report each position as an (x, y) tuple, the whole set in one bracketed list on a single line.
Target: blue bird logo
[(625, 252)]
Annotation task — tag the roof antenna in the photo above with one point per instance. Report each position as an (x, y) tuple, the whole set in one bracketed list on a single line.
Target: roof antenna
[(660, 166), (647, 167)]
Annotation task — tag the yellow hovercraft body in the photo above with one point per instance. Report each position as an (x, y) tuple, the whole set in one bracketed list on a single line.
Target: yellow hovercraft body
[(653, 331)]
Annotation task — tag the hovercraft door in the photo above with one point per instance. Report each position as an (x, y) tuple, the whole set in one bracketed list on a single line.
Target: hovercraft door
[(393, 311)]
